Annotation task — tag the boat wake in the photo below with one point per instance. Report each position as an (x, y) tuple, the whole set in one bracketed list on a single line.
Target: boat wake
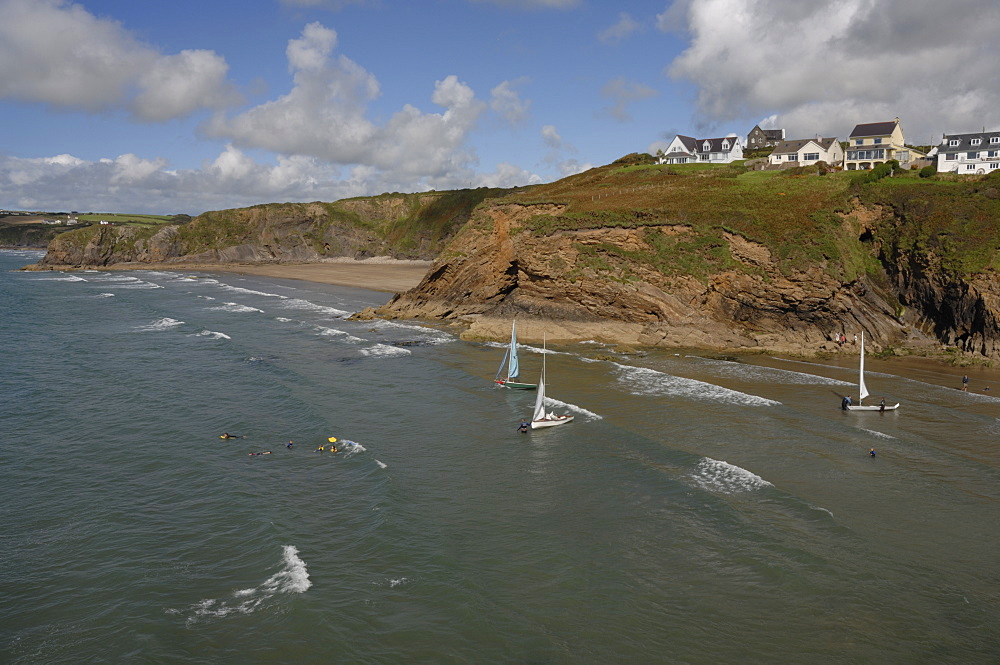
[(292, 578), (718, 476)]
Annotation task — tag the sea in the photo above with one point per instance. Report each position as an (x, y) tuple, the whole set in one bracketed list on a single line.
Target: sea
[(699, 508)]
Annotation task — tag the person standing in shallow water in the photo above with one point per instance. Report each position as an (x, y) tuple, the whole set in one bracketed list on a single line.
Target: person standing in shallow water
[(872, 452), (965, 382)]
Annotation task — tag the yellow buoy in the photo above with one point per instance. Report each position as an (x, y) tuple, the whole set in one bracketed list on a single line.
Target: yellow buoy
[(332, 439)]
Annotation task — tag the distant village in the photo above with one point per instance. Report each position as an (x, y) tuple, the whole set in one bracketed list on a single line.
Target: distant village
[(869, 145)]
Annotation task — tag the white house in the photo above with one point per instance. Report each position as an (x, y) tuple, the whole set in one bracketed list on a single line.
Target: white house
[(687, 150), (803, 152), (969, 153)]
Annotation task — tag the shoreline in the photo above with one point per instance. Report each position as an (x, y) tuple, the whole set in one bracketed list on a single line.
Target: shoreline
[(389, 275), (375, 274)]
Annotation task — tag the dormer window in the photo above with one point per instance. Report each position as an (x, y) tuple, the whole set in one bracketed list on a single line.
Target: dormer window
[(725, 145), (976, 141), (706, 146), (994, 140), (953, 142)]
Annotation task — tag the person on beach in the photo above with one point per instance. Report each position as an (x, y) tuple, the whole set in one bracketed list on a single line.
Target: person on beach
[(872, 452), (881, 406), (846, 402), (523, 427), (965, 382)]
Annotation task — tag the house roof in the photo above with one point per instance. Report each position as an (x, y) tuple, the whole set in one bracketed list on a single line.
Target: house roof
[(874, 129), (715, 145), (797, 144), (965, 142)]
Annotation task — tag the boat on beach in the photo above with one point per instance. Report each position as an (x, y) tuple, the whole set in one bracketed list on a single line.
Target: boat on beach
[(540, 418), (863, 389), (510, 362)]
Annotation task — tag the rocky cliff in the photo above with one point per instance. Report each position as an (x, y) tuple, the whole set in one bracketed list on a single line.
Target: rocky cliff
[(613, 282), (410, 226)]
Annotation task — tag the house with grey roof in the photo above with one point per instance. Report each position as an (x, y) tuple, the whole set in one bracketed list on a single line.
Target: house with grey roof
[(874, 143), (758, 138), (688, 150), (969, 154), (804, 152)]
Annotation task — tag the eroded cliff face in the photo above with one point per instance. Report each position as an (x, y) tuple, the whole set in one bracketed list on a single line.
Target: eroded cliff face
[(496, 269)]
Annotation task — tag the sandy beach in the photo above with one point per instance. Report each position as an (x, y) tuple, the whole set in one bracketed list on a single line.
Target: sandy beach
[(378, 274)]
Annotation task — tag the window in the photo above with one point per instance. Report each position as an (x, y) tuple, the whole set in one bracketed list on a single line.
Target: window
[(810, 155), (994, 140), (878, 141), (790, 156), (992, 154), (951, 156), (971, 155), (994, 165), (976, 141), (969, 167), (859, 141), (953, 142)]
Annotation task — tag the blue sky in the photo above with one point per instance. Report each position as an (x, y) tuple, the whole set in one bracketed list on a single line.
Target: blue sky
[(182, 107)]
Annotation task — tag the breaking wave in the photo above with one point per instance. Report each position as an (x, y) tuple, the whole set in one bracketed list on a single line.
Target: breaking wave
[(645, 381), (718, 476)]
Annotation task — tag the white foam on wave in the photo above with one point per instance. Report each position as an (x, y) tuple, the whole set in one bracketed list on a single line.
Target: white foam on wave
[(384, 351), (105, 295), (63, 278), (382, 465), (431, 336), (139, 284), (323, 331), (718, 476), (240, 289), (104, 277), (213, 334), (235, 307), (881, 435), (772, 375), (645, 381), (572, 407), (349, 447), (165, 323), (299, 303), (292, 578)]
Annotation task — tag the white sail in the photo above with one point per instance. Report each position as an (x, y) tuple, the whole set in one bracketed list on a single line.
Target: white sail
[(862, 388), (512, 367), (539, 413)]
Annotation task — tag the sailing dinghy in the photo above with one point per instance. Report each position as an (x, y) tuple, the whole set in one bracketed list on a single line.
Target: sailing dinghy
[(510, 362), (541, 419), (863, 389)]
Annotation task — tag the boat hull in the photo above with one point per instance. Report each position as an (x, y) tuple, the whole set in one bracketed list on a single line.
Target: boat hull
[(550, 422), (515, 385), (877, 407)]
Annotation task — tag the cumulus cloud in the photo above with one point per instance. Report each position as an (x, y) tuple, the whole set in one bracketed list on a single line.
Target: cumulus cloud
[(558, 151), (822, 67), (507, 103), (324, 116), (95, 64), (620, 31), (623, 92)]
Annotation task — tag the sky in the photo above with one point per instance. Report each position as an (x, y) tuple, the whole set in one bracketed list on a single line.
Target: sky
[(183, 106)]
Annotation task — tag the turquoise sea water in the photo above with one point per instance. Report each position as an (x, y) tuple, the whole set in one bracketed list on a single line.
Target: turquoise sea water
[(696, 511)]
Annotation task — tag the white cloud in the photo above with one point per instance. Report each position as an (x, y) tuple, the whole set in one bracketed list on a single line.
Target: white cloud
[(57, 53), (507, 103), (551, 137), (623, 92), (822, 67), (620, 31), (324, 116)]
